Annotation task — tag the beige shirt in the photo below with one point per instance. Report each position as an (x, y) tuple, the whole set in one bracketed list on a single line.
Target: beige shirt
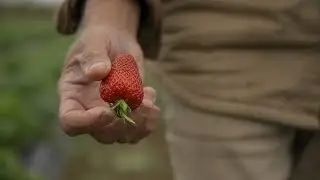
[(257, 59)]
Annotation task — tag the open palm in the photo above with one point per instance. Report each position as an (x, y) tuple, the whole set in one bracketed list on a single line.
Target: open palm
[(81, 109)]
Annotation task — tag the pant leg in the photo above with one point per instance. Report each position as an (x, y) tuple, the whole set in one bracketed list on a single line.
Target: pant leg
[(213, 147)]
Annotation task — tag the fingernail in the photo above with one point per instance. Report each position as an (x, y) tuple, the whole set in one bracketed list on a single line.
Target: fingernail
[(100, 66), (147, 102)]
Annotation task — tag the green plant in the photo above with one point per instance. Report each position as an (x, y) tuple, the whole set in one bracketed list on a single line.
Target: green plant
[(31, 54)]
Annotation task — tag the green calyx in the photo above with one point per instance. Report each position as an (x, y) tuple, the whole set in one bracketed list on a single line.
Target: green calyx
[(122, 111)]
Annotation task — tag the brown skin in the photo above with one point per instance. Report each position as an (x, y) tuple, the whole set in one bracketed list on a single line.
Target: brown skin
[(109, 28)]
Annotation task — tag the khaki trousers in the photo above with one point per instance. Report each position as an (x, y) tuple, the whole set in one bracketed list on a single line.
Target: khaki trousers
[(214, 147)]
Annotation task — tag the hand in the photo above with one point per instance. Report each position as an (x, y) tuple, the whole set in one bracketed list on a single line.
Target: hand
[(81, 109)]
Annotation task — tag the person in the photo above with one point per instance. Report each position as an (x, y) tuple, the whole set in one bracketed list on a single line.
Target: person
[(241, 79)]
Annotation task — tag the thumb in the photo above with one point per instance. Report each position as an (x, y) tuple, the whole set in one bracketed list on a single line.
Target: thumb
[(95, 65)]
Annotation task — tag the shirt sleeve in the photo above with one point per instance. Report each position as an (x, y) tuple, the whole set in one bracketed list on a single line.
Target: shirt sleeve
[(70, 14)]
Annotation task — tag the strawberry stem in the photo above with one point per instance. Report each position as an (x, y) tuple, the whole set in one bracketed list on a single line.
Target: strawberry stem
[(122, 111)]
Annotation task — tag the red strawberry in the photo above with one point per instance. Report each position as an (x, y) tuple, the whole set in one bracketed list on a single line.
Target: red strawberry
[(123, 86)]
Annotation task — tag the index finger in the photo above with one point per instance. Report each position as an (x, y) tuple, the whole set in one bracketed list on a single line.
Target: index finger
[(76, 120)]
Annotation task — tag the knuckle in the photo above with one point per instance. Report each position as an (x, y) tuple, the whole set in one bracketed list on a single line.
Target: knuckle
[(89, 57), (103, 119), (63, 117), (66, 127), (84, 58), (89, 53), (68, 130)]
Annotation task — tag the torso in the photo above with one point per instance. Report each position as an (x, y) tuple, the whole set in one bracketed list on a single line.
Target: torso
[(260, 52)]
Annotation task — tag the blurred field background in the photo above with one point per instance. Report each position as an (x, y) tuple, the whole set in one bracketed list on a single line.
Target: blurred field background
[(31, 143)]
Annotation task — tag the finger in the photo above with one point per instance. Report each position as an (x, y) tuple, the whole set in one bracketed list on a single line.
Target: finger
[(141, 111), (105, 135), (124, 131), (111, 133), (147, 114), (75, 120), (150, 94), (149, 126), (152, 119), (95, 63), (121, 129)]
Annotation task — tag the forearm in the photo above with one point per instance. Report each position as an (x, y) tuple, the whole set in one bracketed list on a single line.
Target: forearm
[(123, 15), (120, 14)]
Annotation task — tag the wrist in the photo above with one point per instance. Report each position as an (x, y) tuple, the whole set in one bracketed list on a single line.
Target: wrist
[(107, 31), (122, 15)]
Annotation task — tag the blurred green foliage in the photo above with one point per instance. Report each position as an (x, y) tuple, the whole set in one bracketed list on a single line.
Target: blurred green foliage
[(31, 53), (11, 169)]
